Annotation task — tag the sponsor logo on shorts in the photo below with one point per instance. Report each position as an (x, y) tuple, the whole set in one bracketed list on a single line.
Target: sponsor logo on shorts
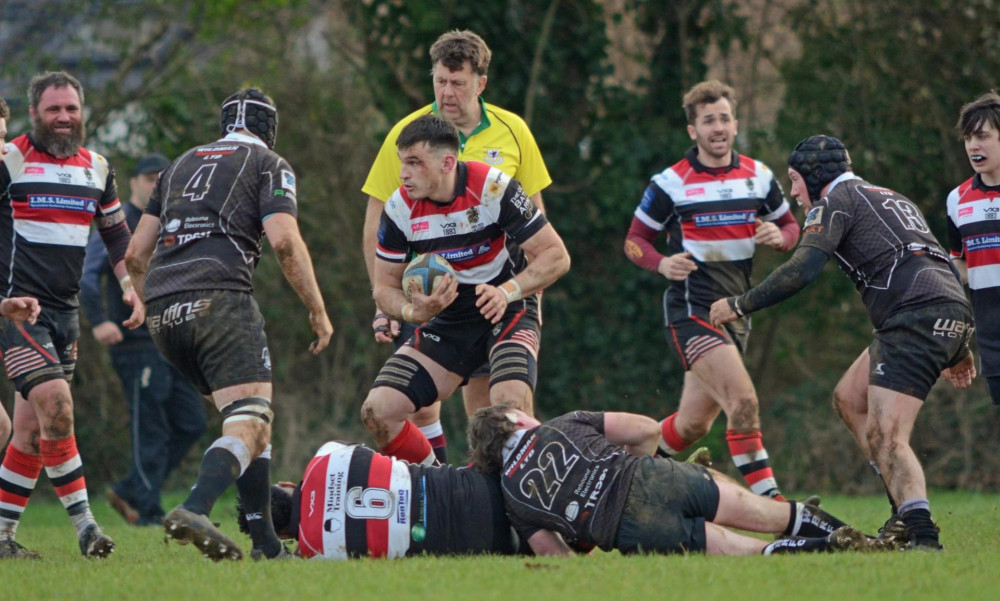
[(433, 337), (879, 370), (950, 328), (265, 357), (179, 313)]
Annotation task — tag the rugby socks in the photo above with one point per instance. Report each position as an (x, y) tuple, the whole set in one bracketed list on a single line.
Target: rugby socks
[(410, 445), (920, 528), (806, 520), (65, 469), (18, 475), (671, 442), (221, 466), (254, 487), (750, 457), (435, 435)]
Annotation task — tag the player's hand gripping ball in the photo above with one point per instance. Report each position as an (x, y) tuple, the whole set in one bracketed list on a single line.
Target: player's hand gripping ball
[(424, 274)]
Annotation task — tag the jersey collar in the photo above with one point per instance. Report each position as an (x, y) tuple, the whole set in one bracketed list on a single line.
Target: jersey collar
[(692, 156), (979, 184), (484, 122), (843, 177), (248, 139)]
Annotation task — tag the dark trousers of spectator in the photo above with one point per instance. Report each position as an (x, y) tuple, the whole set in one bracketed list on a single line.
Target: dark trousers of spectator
[(167, 416)]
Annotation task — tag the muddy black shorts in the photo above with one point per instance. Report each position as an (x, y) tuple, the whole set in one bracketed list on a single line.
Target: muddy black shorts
[(34, 354), (667, 507), (464, 346), (912, 347), (215, 338)]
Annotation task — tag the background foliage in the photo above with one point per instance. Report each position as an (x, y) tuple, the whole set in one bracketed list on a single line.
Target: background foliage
[(601, 85)]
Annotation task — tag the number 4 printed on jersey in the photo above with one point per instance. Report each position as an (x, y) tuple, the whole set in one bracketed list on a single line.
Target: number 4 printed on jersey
[(199, 184)]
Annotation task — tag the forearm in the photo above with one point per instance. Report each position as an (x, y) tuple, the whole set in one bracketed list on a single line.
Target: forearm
[(296, 264), (789, 229), (544, 269), (639, 246), (391, 301), (136, 268), (369, 235), (784, 282)]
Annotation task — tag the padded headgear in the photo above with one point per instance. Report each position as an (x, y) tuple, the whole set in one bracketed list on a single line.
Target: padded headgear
[(252, 110), (819, 160)]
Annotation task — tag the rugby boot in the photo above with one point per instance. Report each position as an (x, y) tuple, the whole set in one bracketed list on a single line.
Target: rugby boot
[(921, 531), (847, 538), (186, 526), (94, 543), (894, 530), (11, 549)]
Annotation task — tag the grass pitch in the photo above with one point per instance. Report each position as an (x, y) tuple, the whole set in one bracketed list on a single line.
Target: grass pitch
[(144, 568)]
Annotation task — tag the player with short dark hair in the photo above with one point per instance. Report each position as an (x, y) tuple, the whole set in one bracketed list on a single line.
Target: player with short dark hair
[(974, 228), (51, 190), (715, 206), (587, 479), (206, 219), (460, 61), (376, 506), (914, 299), (466, 212)]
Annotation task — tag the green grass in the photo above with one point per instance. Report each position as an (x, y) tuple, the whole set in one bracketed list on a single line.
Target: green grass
[(144, 568)]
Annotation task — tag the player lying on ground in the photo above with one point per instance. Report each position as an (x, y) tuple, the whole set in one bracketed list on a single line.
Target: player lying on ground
[(587, 479), (353, 502)]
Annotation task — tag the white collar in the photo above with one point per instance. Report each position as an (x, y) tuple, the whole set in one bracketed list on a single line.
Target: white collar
[(247, 138), (843, 177), (512, 441)]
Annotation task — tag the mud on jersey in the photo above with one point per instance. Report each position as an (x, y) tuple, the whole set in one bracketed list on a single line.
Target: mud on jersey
[(882, 242), (711, 213), (46, 208), (357, 503), (470, 231), (566, 477), (211, 203)]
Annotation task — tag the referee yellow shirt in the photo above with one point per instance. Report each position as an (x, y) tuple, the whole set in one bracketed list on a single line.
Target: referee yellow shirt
[(502, 139)]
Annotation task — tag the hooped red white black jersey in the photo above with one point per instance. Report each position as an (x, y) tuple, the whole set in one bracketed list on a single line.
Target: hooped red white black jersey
[(711, 213), (46, 208), (883, 243), (212, 202), (565, 476), (354, 502), (974, 234), (470, 231), (974, 230)]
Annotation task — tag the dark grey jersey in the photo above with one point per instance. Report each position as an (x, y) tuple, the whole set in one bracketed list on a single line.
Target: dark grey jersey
[(566, 477), (882, 242), (211, 203)]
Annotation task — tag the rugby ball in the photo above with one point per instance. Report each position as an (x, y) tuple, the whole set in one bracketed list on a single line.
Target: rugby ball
[(424, 274)]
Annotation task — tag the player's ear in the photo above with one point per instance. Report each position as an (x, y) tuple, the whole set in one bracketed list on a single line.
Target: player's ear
[(448, 162)]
